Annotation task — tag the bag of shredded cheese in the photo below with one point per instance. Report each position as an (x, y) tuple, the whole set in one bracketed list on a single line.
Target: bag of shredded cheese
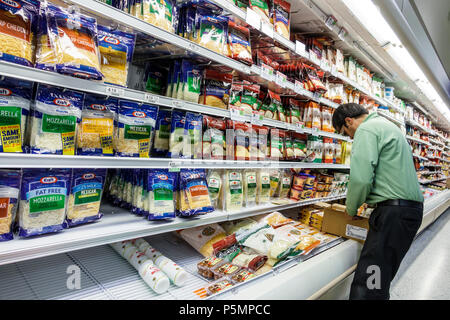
[(194, 195), (15, 97), (189, 89), (176, 140), (45, 54), (85, 196), (212, 33), (96, 130), (158, 13), (234, 194), (162, 133), (135, 129), (216, 88), (192, 140), (214, 145), (43, 201), (18, 22), (116, 51), (54, 120), (161, 184), (9, 193), (74, 39)]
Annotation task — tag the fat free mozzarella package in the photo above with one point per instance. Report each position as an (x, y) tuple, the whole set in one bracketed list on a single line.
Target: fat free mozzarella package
[(161, 186)]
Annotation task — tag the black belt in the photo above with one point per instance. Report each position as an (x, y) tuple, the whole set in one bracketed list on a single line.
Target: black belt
[(400, 202)]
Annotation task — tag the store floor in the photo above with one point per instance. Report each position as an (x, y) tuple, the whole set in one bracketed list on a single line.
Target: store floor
[(425, 271)]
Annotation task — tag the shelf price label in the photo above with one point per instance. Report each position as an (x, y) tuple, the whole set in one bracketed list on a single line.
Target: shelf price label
[(115, 91), (151, 98), (280, 79), (174, 166), (253, 19), (300, 49), (267, 29), (330, 21), (177, 104), (266, 72), (257, 119), (237, 115)]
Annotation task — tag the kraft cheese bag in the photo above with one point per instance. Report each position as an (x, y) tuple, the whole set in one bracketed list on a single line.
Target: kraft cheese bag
[(176, 140), (54, 120), (216, 88), (194, 195), (261, 7), (161, 184), (45, 54), (192, 141), (15, 101), (18, 22), (85, 196), (162, 133), (43, 201), (9, 195)]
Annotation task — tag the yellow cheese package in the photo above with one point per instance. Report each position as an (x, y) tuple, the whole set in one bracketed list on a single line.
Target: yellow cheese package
[(15, 100), (96, 130), (234, 193), (85, 196), (116, 51), (249, 181), (203, 237), (158, 13), (194, 196), (215, 187), (274, 182), (74, 39), (263, 186), (18, 23)]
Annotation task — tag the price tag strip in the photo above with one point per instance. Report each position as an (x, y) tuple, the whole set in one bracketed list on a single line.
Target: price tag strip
[(115, 91)]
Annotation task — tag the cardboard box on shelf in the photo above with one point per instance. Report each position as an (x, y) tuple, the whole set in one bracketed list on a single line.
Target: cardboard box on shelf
[(337, 222)]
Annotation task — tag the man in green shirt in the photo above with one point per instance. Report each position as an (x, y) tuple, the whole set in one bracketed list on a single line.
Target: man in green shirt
[(382, 174)]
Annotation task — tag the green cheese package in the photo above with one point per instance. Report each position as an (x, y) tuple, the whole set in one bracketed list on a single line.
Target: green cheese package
[(155, 79), (214, 180), (249, 100), (190, 82), (214, 142), (161, 186), (263, 186), (274, 182), (234, 193), (162, 134), (192, 141), (249, 182)]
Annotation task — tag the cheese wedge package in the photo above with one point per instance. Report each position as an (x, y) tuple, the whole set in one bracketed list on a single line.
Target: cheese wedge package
[(18, 24), (194, 194), (234, 193), (116, 51), (96, 130), (15, 101), (161, 186), (215, 187)]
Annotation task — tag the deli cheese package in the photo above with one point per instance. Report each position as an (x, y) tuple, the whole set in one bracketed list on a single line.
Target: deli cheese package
[(162, 133), (116, 51), (74, 39), (85, 195), (96, 130), (216, 88), (136, 127), (202, 238), (15, 97), (234, 193), (194, 195), (18, 23), (43, 201), (9, 195), (215, 187), (263, 186), (54, 120), (249, 182), (161, 186), (281, 16)]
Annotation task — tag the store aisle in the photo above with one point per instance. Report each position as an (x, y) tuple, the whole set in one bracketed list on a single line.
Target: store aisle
[(425, 271)]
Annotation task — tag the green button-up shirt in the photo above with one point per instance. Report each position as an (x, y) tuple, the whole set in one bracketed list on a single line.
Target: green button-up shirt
[(381, 165)]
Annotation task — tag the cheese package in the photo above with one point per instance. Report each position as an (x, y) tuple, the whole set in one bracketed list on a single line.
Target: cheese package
[(241, 136), (274, 182), (215, 90), (234, 194), (15, 101), (284, 185), (192, 141), (274, 109), (162, 134), (54, 120), (161, 186), (261, 7), (194, 195), (277, 146), (249, 182), (215, 187), (239, 43), (45, 54), (43, 201), (85, 195), (73, 36), (155, 78), (116, 51), (249, 99), (212, 33), (214, 145), (260, 239), (262, 141), (9, 195), (235, 96), (275, 220), (238, 226), (96, 130), (299, 145), (263, 186), (18, 21), (136, 123), (176, 139), (191, 79), (327, 114), (281, 17), (295, 111), (202, 238), (158, 13)]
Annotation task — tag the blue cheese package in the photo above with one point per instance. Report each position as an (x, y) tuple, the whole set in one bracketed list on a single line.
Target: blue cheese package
[(194, 196), (162, 134), (176, 139), (161, 198), (43, 201), (54, 120), (9, 195), (15, 101), (85, 196), (136, 124)]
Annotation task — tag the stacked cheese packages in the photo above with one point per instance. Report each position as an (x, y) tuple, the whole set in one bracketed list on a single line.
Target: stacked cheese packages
[(155, 269)]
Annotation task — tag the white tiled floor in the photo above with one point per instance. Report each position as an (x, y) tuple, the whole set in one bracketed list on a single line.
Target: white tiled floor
[(425, 271)]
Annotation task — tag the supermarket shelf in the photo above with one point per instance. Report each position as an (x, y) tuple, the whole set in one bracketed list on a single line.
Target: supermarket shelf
[(390, 118), (119, 224), (52, 78), (415, 124), (432, 165), (418, 140), (420, 157), (437, 142), (431, 181), (21, 160)]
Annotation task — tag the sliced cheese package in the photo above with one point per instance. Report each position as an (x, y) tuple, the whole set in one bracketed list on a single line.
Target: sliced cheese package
[(9, 194), (285, 184), (136, 124), (54, 120), (176, 139), (162, 133), (15, 100), (250, 183), (116, 51), (74, 39), (214, 145), (192, 141), (85, 196), (215, 187), (18, 23), (161, 186), (194, 195), (96, 130), (45, 54), (263, 186), (274, 182), (215, 90), (234, 193)]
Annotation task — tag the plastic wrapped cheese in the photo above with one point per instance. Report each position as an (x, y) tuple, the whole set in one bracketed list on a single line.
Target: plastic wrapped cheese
[(176, 140), (162, 133), (215, 187), (203, 237), (9, 195), (233, 190), (250, 187), (161, 186), (194, 196), (263, 186)]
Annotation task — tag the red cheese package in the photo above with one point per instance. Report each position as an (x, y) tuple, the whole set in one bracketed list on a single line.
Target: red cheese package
[(214, 131), (239, 43), (241, 141)]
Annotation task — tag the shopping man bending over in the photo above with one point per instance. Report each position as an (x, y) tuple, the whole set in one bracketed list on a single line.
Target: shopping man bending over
[(382, 174)]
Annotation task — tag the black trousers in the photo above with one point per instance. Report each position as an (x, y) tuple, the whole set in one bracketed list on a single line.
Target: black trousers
[(392, 230)]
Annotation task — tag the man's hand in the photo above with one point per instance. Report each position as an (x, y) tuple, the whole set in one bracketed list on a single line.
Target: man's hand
[(355, 217)]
